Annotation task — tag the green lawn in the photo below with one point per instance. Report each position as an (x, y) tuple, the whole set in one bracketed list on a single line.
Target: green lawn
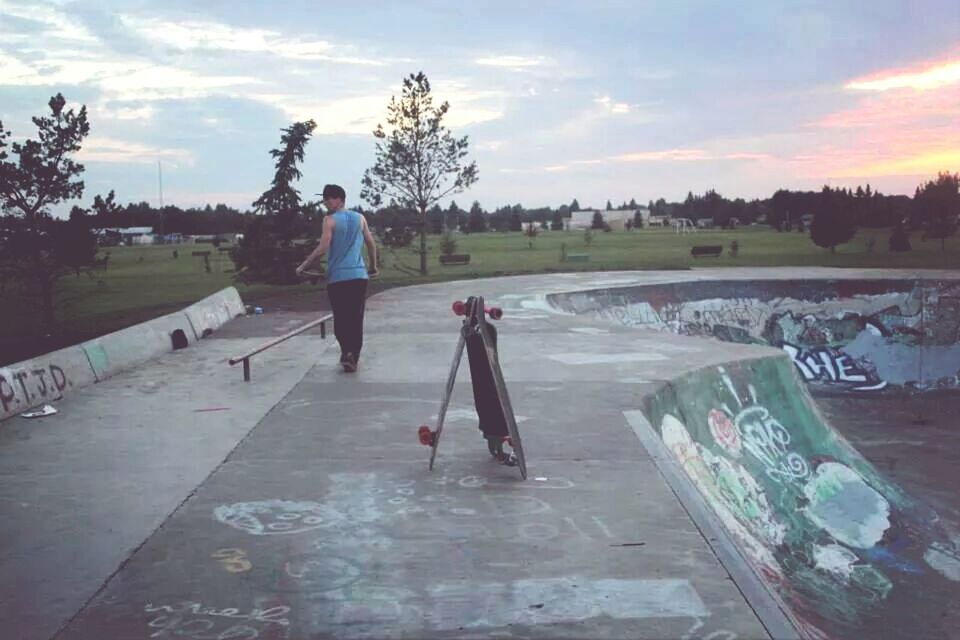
[(144, 282)]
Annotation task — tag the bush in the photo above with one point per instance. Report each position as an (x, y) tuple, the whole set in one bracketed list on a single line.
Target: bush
[(397, 238), (448, 245), (899, 239), (587, 237), (734, 249)]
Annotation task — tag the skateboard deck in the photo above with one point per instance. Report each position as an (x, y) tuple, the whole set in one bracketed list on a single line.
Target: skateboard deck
[(490, 390), (447, 393)]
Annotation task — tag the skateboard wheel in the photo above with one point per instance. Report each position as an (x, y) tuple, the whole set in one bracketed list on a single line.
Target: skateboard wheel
[(459, 307), (495, 313), (426, 435)]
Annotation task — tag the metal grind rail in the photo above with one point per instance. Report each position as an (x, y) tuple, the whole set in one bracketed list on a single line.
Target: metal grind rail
[(245, 358)]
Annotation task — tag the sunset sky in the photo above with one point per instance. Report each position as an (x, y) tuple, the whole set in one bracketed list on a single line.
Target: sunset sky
[(594, 100)]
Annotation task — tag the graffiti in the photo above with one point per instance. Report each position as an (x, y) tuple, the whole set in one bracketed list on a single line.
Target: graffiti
[(827, 364), (842, 548), (843, 335), (275, 517), (24, 388), (194, 620), (846, 507), (232, 560)]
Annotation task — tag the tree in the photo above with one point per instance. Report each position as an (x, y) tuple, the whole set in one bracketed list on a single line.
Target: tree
[(609, 206), (35, 247), (516, 222), (833, 221), (637, 220), (597, 222), (452, 217), (267, 251), (418, 162), (282, 200), (107, 208), (556, 223), (574, 206), (938, 205), (477, 223), (899, 239)]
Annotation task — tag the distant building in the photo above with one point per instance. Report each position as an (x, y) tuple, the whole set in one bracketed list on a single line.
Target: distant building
[(125, 235), (704, 223), (657, 221), (617, 219)]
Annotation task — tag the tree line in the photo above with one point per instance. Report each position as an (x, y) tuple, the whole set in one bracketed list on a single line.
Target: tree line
[(417, 164)]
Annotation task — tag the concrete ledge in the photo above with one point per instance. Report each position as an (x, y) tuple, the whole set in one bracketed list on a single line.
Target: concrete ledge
[(30, 383), (214, 311), (42, 379), (135, 345)]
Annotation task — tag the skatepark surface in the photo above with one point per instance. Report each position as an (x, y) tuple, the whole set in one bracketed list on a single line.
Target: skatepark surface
[(683, 482)]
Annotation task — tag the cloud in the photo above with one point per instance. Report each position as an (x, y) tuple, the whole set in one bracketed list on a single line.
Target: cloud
[(930, 76), (667, 155), (112, 150), (513, 63), (48, 21), (361, 114), (192, 35), (905, 122)]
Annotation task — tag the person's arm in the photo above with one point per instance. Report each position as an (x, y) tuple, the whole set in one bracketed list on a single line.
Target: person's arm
[(328, 225), (371, 243)]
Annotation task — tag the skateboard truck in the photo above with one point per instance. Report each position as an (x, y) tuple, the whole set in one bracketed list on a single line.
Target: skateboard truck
[(460, 308)]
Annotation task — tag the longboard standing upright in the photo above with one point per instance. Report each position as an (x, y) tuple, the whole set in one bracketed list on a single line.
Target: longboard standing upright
[(497, 421)]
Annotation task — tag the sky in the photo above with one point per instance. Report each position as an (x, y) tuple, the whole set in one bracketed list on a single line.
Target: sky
[(601, 100)]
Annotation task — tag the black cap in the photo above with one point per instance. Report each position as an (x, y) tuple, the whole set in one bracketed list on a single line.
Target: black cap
[(333, 191)]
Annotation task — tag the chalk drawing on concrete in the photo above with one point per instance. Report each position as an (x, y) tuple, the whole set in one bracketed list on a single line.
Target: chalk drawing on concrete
[(233, 560), (276, 517), (195, 620)]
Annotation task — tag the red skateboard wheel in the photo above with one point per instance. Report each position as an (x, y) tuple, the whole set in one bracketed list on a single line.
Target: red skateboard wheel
[(460, 308), (425, 435)]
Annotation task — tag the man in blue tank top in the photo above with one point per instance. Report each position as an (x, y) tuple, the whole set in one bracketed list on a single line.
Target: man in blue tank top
[(344, 234)]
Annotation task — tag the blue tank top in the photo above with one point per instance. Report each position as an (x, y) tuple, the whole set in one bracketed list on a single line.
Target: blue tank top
[(345, 258)]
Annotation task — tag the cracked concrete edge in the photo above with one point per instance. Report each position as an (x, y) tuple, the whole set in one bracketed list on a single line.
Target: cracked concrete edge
[(764, 603)]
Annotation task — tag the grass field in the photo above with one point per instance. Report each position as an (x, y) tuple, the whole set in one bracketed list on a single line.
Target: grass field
[(144, 282)]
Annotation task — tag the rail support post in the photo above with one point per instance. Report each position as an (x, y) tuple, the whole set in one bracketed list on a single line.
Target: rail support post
[(246, 369)]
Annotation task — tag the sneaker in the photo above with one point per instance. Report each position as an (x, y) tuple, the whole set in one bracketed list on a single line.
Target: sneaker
[(350, 363)]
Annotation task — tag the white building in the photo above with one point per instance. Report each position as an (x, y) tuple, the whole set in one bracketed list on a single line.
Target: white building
[(129, 235), (616, 219)]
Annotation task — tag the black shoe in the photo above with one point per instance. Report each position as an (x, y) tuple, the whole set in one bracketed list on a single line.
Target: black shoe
[(350, 363)]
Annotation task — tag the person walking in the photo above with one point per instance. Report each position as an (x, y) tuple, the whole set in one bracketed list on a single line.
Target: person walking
[(344, 234)]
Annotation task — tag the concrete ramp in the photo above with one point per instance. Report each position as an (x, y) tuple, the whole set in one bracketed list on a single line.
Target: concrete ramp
[(846, 336), (846, 552)]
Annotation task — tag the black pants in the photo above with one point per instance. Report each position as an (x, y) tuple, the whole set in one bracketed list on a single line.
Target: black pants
[(348, 299), (485, 395)]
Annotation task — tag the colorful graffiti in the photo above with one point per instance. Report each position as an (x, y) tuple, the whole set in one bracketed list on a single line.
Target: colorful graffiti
[(847, 552), (844, 336)]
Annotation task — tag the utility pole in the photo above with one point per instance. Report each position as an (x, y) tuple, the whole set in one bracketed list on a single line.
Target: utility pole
[(160, 182)]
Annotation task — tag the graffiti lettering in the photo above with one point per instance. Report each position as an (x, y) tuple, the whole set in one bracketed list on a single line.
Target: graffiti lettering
[(827, 364), (767, 440), (7, 394), (43, 383), (16, 389), (59, 377)]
